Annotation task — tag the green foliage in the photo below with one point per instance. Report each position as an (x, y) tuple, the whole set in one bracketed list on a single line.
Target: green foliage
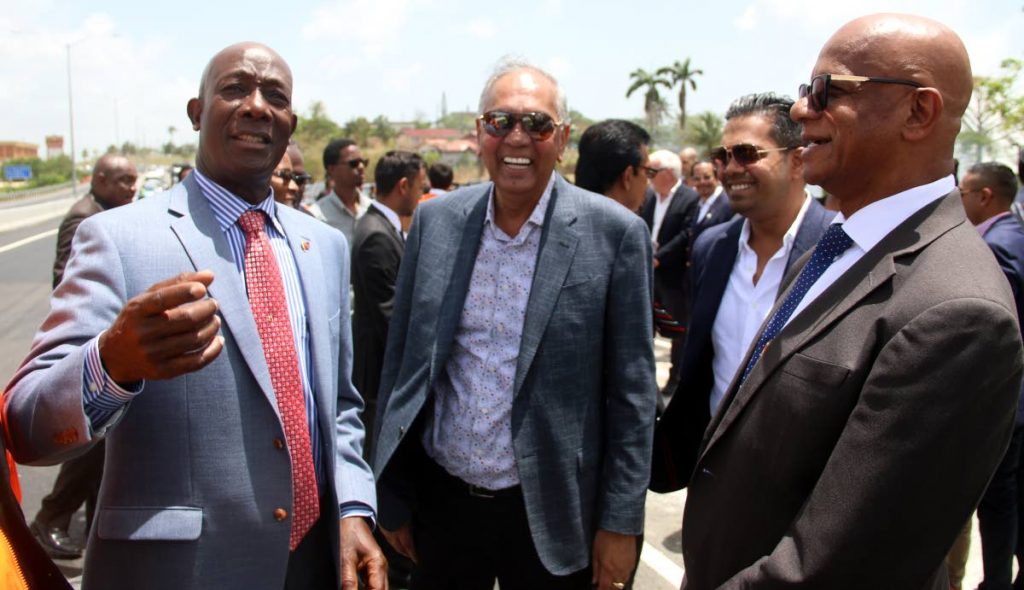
[(704, 133), (580, 122), (464, 121), (654, 105), (995, 114), (382, 129), (359, 129), (44, 172)]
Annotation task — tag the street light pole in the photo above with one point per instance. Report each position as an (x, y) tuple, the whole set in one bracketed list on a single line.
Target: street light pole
[(71, 124)]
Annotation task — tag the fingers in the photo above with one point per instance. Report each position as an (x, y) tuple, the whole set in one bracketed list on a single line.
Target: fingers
[(349, 575), (182, 289), (377, 573), (401, 541)]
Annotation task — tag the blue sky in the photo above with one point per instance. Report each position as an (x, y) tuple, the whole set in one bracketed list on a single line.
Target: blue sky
[(134, 65)]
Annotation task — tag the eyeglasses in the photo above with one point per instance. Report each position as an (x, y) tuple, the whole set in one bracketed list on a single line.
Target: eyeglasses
[(744, 154), (649, 172), (355, 162), (539, 126), (816, 92), (301, 178)]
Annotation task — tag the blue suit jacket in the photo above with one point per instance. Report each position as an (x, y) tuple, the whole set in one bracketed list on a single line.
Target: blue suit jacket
[(192, 476), (681, 427), (584, 390), (1006, 239)]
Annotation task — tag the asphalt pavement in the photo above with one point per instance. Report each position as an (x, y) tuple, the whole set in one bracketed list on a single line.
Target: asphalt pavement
[(27, 245)]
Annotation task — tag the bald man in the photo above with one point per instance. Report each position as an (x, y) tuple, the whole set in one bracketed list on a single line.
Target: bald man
[(204, 335), (878, 398)]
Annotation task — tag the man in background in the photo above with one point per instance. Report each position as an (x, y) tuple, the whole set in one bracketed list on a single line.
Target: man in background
[(345, 203), (113, 184), (613, 162)]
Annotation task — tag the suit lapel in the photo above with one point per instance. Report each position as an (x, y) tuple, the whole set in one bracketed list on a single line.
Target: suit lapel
[(206, 246), (874, 269), (557, 247), (714, 280), (462, 240), (397, 238)]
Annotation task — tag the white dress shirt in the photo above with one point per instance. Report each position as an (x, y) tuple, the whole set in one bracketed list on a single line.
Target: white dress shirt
[(706, 204), (869, 225), (745, 305), (660, 208)]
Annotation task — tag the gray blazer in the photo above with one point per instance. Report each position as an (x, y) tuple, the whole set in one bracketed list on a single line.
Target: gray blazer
[(583, 412), (192, 476), (864, 437)]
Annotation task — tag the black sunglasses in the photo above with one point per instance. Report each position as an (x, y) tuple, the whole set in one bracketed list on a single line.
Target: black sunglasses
[(355, 162), (816, 92), (744, 153), (301, 178), (285, 175), (539, 126)]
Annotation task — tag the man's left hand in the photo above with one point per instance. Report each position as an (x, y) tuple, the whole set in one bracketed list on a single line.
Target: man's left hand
[(614, 560), (360, 553)]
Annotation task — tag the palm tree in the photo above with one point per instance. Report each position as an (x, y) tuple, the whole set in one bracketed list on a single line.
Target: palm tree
[(170, 132), (653, 105), (706, 132), (681, 73)]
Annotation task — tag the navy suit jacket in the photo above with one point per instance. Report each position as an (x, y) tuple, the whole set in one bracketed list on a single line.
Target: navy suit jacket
[(1006, 239), (679, 432)]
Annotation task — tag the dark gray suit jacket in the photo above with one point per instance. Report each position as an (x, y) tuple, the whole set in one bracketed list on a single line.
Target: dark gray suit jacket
[(830, 466), (584, 391), (681, 428)]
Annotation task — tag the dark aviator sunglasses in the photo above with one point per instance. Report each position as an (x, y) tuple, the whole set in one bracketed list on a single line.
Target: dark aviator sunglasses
[(743, 153), (539, 126), (288, 176)]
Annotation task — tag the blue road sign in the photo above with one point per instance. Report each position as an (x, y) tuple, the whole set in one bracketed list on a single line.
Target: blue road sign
[(17, 172)]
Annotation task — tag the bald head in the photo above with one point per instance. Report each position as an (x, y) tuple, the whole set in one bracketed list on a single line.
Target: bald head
[(113, 180), (894, 130), (244, 117)]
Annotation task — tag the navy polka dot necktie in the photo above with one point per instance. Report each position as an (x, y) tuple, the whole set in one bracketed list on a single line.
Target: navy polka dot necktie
[(830, 246)]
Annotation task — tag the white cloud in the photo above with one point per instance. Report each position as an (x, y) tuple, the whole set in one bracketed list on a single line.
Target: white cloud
[(375, 25)]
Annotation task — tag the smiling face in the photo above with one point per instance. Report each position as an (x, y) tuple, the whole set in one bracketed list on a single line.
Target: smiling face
[(757, 189), (519, 166), (704, 180), (244, 117)]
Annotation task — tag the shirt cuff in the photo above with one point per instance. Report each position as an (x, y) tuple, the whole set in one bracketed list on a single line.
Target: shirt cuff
[(102, 396), (350, 509)]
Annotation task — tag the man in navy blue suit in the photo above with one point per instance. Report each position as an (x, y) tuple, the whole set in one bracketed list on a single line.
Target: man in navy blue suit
[(987, 191), (737, 268)]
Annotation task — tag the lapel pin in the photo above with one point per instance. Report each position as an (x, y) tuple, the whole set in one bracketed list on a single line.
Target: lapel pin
[(305, 245)]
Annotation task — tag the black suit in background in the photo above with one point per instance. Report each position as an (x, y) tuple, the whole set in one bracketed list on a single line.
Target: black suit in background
[(377, 250), (673, 247), (678, 434)]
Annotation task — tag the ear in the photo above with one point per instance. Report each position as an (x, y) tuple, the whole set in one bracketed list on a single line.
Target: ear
[(626, 178), (194, 108), (985, 197), (796, 164), (295, 124), (926, 110), (562, 139), (403, 185)]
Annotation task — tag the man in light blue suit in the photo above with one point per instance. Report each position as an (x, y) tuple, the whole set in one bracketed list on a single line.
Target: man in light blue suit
[(175, 373), (517, 400)]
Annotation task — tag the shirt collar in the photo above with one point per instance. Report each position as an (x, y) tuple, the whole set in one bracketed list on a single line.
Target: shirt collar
[(986, 225), (539, 210), (789, 236), (390, 214), (664, 200), (228, 207), (867, 226)]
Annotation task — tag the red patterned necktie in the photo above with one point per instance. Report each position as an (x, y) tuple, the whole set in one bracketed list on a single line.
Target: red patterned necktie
[(270, 310)]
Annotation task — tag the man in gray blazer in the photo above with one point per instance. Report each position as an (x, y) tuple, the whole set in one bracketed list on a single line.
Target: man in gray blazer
[(879, 396), (517, 399), (183, 378)]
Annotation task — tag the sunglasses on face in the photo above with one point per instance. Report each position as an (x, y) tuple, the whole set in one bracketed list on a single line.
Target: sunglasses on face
[(743, 153), (285, 175), (355, 162), (301, 178), (539, 126), (816, 92)]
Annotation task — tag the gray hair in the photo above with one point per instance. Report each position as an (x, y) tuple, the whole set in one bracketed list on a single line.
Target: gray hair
[(667, 159), (509, 64)]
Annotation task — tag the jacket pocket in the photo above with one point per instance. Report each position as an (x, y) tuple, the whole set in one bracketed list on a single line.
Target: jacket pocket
[(815, 371), (176, 523)]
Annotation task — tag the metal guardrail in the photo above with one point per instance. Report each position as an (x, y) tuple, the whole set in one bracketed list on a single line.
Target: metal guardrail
[(50, 188)]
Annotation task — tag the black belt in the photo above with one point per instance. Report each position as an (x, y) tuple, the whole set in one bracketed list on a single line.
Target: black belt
[(456, 484)]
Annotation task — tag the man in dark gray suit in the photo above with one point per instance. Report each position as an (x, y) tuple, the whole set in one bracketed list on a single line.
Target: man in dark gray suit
[(892, 359), (737, 268), (517, 401)]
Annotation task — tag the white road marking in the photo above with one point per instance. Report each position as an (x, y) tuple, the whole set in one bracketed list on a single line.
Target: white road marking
[(662, 565), (27, 240)]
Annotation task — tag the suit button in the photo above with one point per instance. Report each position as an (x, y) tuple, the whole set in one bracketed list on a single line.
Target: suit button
[(280, 514), (688, 264), (401, 430), (278, 443)]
